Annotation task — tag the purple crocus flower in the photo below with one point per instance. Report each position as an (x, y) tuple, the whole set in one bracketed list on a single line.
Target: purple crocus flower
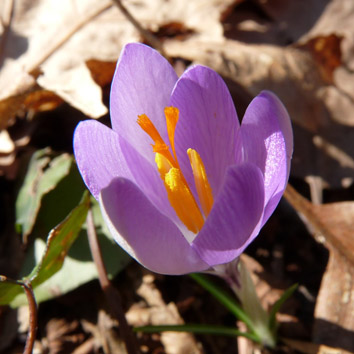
[(182, 186)]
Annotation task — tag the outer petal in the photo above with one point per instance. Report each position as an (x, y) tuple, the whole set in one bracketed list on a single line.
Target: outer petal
[(268, 142), (147, 235), (142, 83), (235, 218), (208, 123), (102, 155), (98, 155)]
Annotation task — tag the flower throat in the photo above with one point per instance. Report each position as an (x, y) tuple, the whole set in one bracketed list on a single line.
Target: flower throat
[(178, 191)]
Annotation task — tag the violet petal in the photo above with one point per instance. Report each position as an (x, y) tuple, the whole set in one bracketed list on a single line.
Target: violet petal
[(207, 123), (235, 218), (142, 84), (103, 155), (98, 155), (147, 235), (268, 143)]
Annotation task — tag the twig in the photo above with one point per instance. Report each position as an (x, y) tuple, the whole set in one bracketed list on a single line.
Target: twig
[(66, 36), (31, 335), (148, 36), (112, 294)]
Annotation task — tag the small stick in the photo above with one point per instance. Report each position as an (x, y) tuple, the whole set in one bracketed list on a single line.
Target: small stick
[(112, 294), (31, 335), (66, 36), (148, 36)]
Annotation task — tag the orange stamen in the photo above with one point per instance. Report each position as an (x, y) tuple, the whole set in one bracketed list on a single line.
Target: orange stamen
[(201, 181), (172, 115), (178, 191), (149, 128)]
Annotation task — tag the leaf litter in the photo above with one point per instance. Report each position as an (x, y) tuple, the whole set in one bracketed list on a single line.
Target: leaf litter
[(61, 56)]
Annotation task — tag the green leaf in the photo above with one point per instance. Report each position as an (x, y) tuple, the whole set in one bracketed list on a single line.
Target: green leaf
[(59, 241), (78, 267), (225, 299), (54, 206), (44, 172), (8, 290), (197, 329), (278, 304)]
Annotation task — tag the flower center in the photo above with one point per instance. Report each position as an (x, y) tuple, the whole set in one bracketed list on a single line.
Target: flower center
[(178, 191)]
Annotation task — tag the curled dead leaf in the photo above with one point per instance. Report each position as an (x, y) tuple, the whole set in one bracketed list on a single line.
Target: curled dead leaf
[(335, 303), (326, 51)]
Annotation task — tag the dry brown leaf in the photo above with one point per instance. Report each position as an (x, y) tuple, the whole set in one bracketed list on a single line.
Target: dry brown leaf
[(335, 221), (295, 18), (334, 319), (326, 51), (59, 37), (160, 313), (312, 348), (334, 312), (37, 33), (337, 18), (8, 151), (101, 71), (104, 333), (42, 100), (7, 145)]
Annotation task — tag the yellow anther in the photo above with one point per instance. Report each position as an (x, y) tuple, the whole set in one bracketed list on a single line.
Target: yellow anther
[(182, 200), (201, 181), (178, 191), (163, 165)]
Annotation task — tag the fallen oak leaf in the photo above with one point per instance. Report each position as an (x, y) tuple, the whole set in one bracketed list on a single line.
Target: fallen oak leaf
[(312, 348), (334, 322), (334, 221), (326, 51), (23, 72), (52, 41), (157, 312)]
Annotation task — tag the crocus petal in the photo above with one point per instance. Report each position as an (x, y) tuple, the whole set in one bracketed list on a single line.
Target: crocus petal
[(98, 155), (268, 143), (234, 220), (146, 234), (102, 155), (207, 123), (142, 84)]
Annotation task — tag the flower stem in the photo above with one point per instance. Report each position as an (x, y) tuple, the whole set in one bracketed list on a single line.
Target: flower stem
[(245, 291), (111, 293), (224, 298), (197, 329), (254, 316)]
